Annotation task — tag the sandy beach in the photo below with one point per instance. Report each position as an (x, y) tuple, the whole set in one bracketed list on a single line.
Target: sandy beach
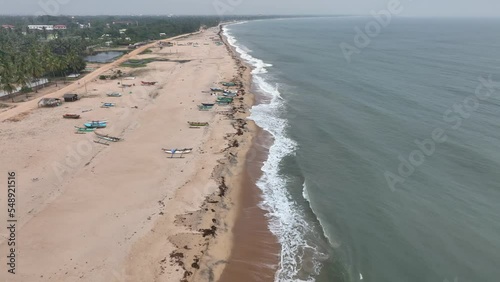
[(126, 211)]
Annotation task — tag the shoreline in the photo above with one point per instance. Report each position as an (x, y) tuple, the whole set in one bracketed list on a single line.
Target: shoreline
[(255, 251)]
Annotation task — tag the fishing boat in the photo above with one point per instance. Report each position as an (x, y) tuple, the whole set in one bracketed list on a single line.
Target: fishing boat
[(178, 151), (96, 124), (204, 108), (108, 105), (73, 116), (230, 94), (114, 94), (207, 104), (107, 137), (222, 98), (148, 83), (104, 139), (228, 84), (83, 130), (197, 123), (216, 89)]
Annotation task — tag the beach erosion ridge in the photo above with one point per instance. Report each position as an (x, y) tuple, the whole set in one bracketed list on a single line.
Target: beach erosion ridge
[(127, 211)]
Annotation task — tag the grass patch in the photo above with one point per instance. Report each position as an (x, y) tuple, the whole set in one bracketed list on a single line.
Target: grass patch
[(143, 62), (147, 51)]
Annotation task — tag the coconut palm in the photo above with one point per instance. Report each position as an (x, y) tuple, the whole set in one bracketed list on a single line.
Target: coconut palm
[(7, 79), (21, 75), (34, 65)]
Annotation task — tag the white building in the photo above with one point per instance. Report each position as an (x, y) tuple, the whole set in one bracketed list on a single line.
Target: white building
[(40, 27)]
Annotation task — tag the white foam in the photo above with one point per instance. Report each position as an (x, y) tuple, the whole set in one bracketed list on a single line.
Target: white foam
[(286, 220)]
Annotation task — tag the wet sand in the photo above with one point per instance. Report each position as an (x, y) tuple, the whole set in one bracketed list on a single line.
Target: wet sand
[(255, 252)]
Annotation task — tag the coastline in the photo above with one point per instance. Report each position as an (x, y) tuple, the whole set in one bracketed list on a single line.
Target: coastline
[(255, 250)]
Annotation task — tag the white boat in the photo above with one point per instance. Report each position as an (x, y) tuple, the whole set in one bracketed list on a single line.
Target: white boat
[(178, 151)]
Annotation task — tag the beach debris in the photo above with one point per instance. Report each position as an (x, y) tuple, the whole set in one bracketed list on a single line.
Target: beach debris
[(209, 232), (148, 83)]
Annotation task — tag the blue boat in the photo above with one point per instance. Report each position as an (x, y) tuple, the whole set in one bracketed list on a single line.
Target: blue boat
[(107, 105), (95, 124)]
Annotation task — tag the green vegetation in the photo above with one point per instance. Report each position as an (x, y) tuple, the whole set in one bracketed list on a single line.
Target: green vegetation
[(27, 55), (141, 63), (147, 51), (25, 59)]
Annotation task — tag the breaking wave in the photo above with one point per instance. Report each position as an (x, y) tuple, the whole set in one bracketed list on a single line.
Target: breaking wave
[(299, 259)]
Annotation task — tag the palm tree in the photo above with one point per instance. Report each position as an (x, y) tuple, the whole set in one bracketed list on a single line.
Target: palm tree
[(73, 61), (62, 66), (34, 65), (7, 79), (20, 76)]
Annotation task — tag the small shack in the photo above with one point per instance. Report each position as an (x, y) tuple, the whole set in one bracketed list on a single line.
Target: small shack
[(70, 97), (49, 102)]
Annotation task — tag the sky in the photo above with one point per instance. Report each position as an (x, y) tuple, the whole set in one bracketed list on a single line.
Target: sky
[(425, 8)]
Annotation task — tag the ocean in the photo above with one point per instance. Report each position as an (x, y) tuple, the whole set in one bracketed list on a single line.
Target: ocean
[(385, 156)]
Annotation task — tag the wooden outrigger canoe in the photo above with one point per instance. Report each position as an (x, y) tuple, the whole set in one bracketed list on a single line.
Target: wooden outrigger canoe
[(108, 105), (83, 130), (104, 139), (204, 108), (197, 123), (180, 152), (222, 98), (96, 124), (107, 137), (73, 116)]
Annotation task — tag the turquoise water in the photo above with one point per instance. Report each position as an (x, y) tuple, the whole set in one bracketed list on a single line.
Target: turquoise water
[(384, 167)]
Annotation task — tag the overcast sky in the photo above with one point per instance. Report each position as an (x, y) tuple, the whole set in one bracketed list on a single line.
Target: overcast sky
[(459, 8)]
